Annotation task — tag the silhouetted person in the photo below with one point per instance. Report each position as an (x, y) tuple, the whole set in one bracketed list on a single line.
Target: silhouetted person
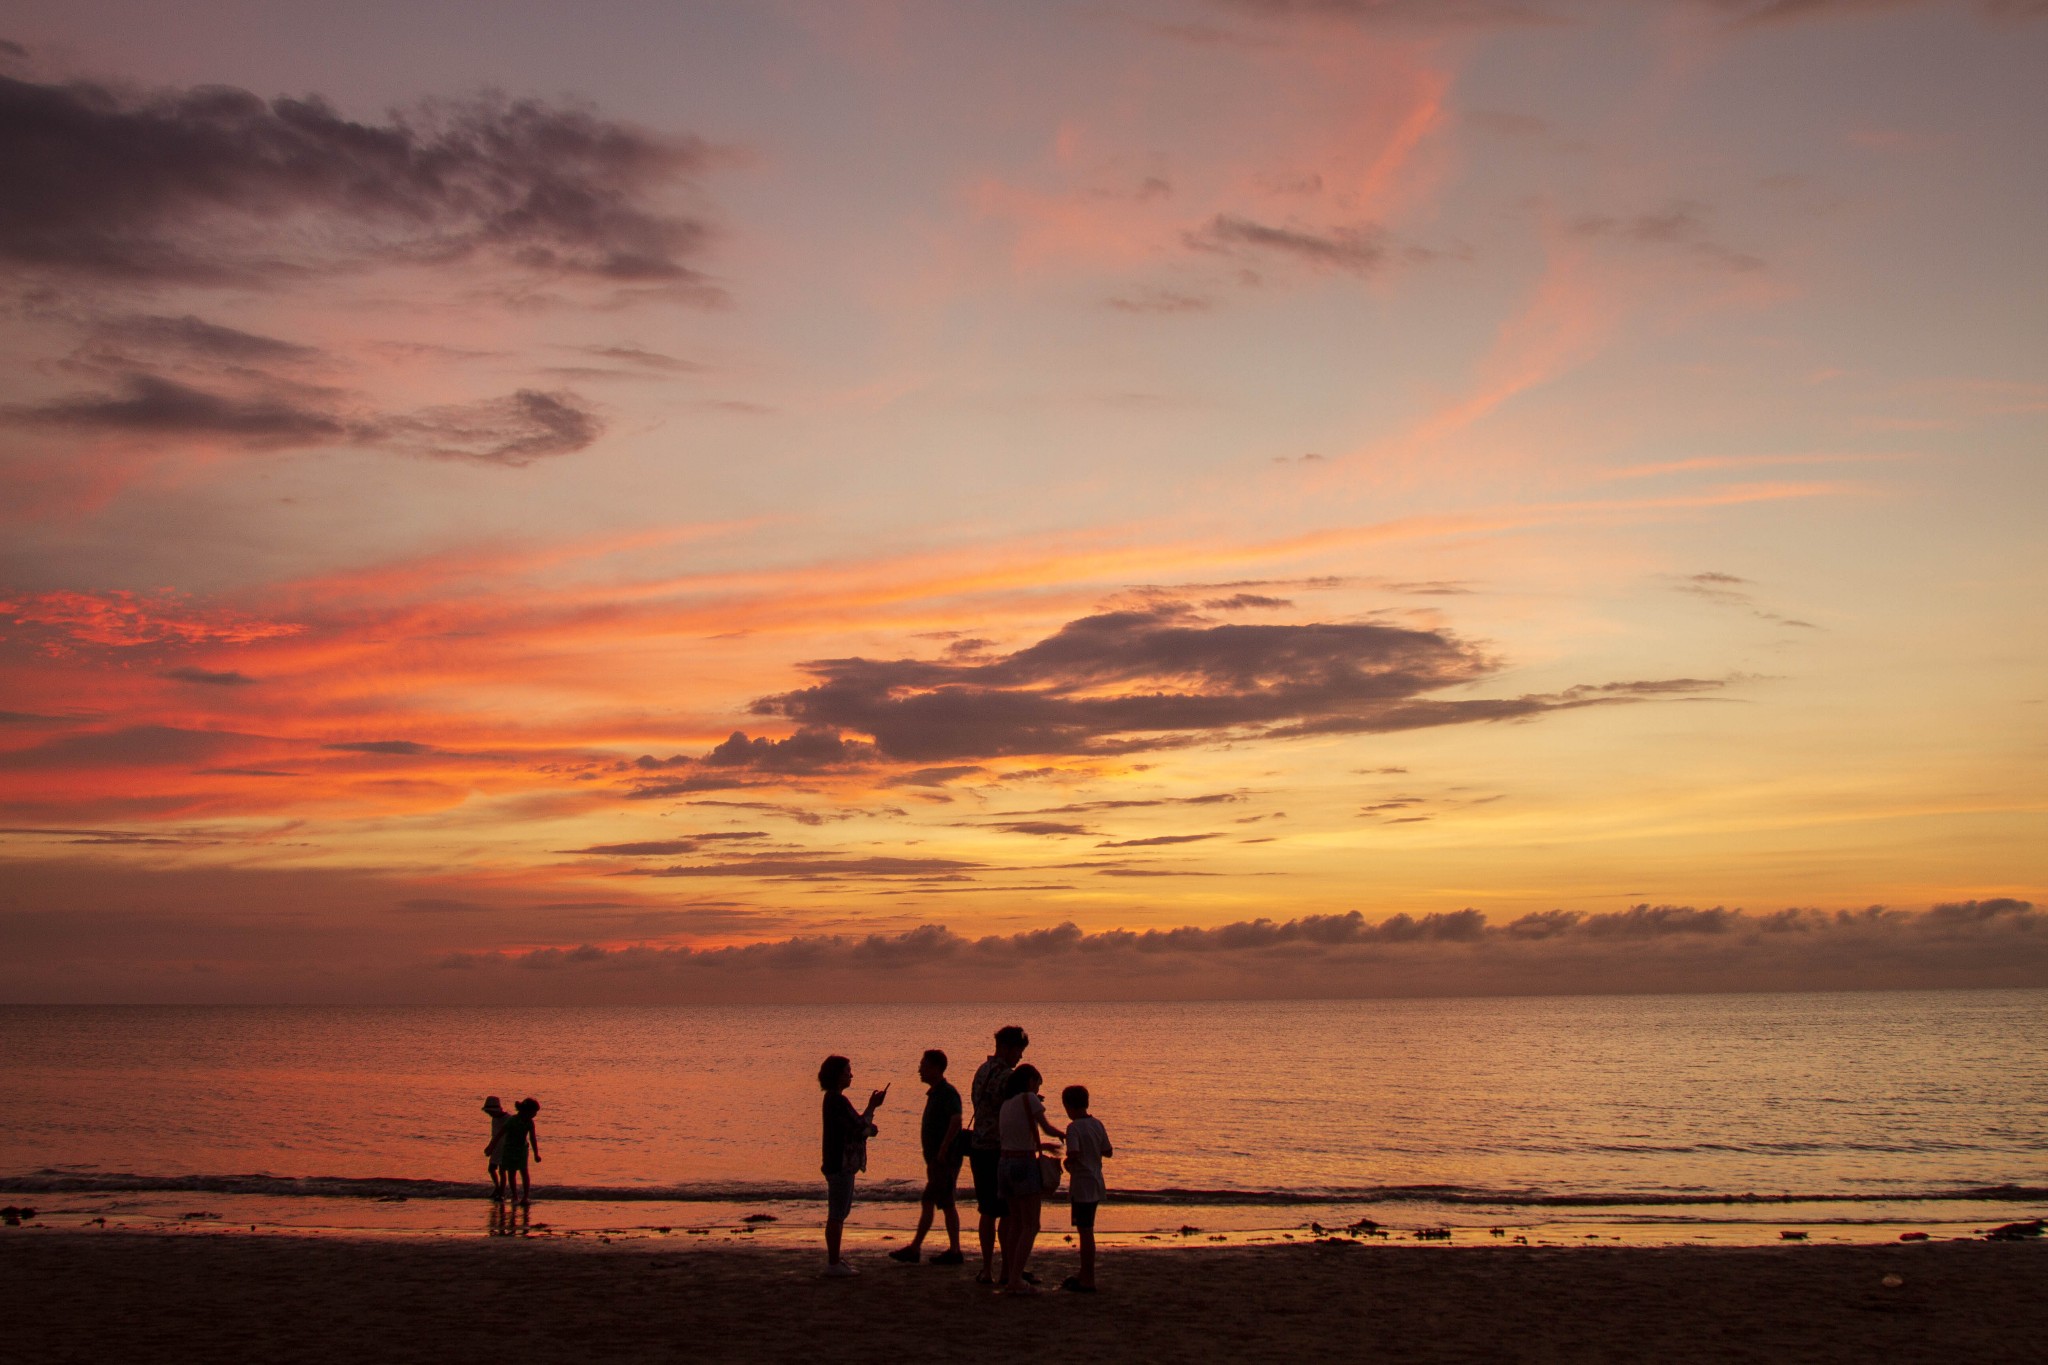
[(1018, 1179), (513, 1145), (939, 1133), (499, 1118), (985, 1152), (845, 1153), (1087, 1144)]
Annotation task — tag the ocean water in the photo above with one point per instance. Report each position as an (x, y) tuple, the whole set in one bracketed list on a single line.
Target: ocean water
[(1692, 1110)]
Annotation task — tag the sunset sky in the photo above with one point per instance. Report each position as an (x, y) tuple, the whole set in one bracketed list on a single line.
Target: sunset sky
[(545, 485)]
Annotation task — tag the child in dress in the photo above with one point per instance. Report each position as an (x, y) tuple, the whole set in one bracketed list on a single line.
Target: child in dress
[(512, 1148), (499, 1118), (1018, 1179), (1087, 1144)]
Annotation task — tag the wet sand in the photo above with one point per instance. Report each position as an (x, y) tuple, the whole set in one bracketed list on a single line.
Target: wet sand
[(217, 1296)]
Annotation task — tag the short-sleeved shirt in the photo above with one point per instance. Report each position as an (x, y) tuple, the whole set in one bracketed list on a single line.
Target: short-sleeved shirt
[(1087, 1144), (941, 1109), (512, 1140), (1019, 1121), (844, 1132), (988, 1099)]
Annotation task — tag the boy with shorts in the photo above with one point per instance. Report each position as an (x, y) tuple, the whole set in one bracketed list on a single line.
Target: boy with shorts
[(1087, 1144), (940, 1132)]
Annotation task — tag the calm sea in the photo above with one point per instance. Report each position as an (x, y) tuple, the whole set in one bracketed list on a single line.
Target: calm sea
[(1652, 1107)]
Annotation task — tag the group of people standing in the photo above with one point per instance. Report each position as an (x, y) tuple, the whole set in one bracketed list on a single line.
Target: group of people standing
[(512, 1137), (1014, 1166)]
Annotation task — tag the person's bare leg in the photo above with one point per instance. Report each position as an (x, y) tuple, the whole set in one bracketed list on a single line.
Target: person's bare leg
[(1006, 1241), (991, 1228), (1017, 1251), (953, 1226), (833, 1226), (1087, 1237), (924, 1222)]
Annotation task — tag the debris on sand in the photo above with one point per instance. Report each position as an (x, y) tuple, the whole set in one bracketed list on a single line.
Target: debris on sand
[(2013, 1232)]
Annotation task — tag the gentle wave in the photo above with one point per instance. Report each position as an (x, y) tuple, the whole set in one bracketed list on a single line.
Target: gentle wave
[(891, 1191)]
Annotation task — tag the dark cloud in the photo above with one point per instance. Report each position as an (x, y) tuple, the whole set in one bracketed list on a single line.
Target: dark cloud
[(149, 405), (441, 905), (31, 718), (683, 786), (1358, 248), (813, 749), (215, 185), (196, 336), (656, 848), (641, 358), (1039, 827), (1960, 914), (1769, 13), (1157, 841), (1681, 225), (1133, 803), (132, 746), (1643, 948), (1126, 681), (400, 747), (803, 815), (1729, 590), (94, 927), (1158, 301), (513, 430), (1245, 601), (207, 678), (817, 867), (112, 838), (934, 777)]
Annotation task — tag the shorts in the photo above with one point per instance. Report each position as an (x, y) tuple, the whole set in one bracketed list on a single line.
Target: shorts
[(1084, 1213), (1019, 1176), (838, 1196), (940, 1181), (987, 1197)]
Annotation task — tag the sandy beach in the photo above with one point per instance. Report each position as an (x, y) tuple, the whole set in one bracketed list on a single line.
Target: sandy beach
[(79, 1296)]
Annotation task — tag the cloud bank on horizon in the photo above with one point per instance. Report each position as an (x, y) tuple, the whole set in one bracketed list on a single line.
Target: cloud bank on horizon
[(1450, 460)]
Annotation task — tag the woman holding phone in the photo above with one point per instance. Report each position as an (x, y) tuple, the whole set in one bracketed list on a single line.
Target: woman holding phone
[(845, 1152)]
